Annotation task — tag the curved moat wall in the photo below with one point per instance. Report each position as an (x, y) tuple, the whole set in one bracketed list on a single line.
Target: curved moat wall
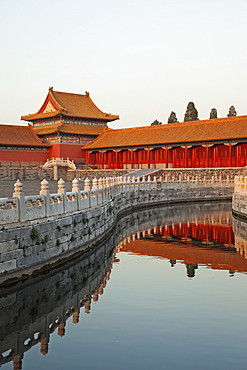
[(239, 199), (41, 232)]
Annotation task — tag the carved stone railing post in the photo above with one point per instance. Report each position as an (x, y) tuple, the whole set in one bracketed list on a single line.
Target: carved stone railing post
[(87, 187), (95, 187), (61, 187), (236, 184), (17, 362), (44, 345), (240, 183), (128, 181), (100, 183), (107, 185), (95, 184), (76, 189), (61, 190), (138, 185), (20, 195), (123, 185), (87, 184), (45, 191), (154, 183)]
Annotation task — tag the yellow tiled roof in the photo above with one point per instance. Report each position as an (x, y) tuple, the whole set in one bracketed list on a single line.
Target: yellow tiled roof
[(72, 105), (229, 128), (14, 135), (69, 129)]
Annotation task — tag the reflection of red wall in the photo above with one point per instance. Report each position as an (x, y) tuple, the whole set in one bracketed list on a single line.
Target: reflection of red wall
[(71, 151), (24, 155), (221, 233)]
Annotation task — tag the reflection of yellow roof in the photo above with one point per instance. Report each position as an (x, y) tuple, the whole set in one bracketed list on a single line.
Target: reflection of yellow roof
[(20, 136), (185, 132), (217, 258), (71, 105), (69, 129)]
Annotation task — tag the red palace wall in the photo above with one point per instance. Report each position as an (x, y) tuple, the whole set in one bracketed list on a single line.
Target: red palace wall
[(24, 155), (71, 151), (218, 155)]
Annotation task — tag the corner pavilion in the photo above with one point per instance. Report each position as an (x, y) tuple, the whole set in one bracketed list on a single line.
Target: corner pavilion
[(220, 142)]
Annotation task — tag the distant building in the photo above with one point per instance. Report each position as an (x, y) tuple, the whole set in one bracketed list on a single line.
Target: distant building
[(68, 121), (220, 142)]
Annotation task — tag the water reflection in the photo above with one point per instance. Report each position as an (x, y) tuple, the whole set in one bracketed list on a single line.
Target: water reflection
[(196, 235), (29, 316)]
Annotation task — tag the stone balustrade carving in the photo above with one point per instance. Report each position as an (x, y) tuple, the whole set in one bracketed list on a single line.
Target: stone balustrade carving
[(22, 208)]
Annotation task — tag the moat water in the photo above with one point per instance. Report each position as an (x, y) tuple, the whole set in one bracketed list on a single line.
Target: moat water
[(167, 291)]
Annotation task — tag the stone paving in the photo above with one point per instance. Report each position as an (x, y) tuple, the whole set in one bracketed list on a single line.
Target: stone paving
[(142, 172)]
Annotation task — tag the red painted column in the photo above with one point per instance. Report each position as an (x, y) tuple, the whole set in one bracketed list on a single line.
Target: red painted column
[(207, 156), (193, 162), (87, 157), (207, 233), (155, 158), (124, 159), (230, 155), (132, 159), (214, 156), (173, 158), (115, 165), (108, 159), (186, 157), (166, 157), (238, 156), (149, 152), (139, 159)]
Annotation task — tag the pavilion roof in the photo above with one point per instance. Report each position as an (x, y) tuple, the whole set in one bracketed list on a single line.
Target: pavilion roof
[(71, 105), (14, 135), (229, 128), (69, 129)]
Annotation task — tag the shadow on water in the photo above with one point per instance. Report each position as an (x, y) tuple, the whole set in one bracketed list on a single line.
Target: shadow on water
[(196, 234)]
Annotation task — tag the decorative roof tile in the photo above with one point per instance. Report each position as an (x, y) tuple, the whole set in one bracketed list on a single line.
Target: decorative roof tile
[(14, 135), (229, 128)]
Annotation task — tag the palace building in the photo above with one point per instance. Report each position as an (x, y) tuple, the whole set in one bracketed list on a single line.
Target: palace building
[(67, 121), (20, 144), (219, 142), (71, 126)]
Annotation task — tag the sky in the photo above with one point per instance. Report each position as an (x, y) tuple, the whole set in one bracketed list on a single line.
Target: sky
[(140, 59)]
